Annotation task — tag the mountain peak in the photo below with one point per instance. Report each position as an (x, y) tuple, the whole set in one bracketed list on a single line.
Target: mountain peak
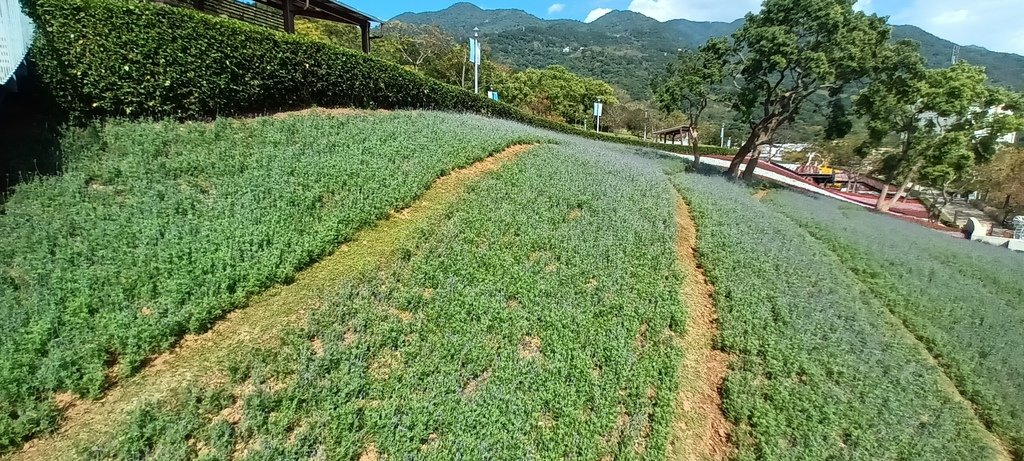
[(462, 7), (638, 45), (626, 14)]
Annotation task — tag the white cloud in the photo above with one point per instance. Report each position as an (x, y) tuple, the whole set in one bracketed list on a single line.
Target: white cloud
[(556, 8), (596, 13), (865, 6), (952, 17), (695, 10), (993, 24)]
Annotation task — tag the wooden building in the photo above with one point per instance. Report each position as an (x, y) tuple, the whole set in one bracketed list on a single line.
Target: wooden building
[(280, 14), (684, 135)]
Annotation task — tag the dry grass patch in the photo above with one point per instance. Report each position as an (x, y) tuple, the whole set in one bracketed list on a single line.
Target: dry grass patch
[(529, 347)]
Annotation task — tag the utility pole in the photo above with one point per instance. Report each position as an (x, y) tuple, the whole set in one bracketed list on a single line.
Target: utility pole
[(646, 121), (475, 52)]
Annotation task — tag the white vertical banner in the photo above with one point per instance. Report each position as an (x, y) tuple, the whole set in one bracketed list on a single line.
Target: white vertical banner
[(475, 57), (598, 109), (475, 51)]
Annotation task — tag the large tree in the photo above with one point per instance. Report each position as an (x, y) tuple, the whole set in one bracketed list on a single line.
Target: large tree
[(1000, 179), (945, 121), (792, 50), (556, 93), (689, 83)]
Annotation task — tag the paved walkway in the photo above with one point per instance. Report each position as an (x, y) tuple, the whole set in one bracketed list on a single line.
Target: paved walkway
[(773, 173), (768, 173), (962, 211)]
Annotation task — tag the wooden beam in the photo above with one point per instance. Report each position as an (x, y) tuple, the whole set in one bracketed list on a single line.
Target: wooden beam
[(289, 17), (364, 31), (317, 14)]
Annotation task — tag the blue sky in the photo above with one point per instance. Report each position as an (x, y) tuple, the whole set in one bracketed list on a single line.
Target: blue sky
[(994, 24)]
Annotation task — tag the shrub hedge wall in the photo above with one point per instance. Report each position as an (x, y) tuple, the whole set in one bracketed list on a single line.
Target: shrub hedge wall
[(138, 59)]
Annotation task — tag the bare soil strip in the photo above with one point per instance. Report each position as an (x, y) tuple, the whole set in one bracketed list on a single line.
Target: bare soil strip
[(258, 324), (699, 429)]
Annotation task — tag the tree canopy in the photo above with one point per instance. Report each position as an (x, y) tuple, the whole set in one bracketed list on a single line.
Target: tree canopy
[(792, 50), (554, 92), (946, 120), (689, 83)]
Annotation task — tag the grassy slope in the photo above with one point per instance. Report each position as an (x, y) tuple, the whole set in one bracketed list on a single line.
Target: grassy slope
[(157, 229), (963, 300), (821, 371), (536, 322)]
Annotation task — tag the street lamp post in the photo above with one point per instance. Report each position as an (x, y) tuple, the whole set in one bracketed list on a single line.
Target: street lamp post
[(476, 61), (598, 109)]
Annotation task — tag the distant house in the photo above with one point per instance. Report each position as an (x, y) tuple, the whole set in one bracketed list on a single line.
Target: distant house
[(280, 14), (683, 135), (940, 123), (776, 151)]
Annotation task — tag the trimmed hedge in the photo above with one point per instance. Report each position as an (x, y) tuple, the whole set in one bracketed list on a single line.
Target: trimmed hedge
[(138, 59)]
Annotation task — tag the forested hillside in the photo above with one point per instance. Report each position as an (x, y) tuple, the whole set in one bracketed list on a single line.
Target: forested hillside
[(626, 48)]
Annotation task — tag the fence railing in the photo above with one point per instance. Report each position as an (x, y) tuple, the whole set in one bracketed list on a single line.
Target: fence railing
[(15, 37)]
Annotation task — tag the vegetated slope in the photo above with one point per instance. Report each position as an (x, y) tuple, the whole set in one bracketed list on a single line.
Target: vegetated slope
[(1004, 69), (626, 48), (962, 299), (261, 322), (820, 369), (157, 229), (537, 320)]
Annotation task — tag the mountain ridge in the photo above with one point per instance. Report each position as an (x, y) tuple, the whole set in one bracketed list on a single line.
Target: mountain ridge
[(627, 48)]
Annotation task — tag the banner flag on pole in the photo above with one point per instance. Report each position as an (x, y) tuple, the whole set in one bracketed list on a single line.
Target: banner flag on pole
[(474, 51)]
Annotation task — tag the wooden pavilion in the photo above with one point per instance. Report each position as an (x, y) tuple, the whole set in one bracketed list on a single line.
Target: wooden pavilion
[(280, 14), (685, 135)]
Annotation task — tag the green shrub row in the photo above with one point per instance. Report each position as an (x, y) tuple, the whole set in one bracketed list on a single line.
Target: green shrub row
[(138, 59)]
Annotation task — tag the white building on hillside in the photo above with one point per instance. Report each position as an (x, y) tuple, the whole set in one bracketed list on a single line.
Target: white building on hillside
[(941, 122)]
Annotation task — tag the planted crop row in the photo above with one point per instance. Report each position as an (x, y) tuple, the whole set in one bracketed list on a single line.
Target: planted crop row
[(156, 229), (820, 371), (535, 321), (963, 300)]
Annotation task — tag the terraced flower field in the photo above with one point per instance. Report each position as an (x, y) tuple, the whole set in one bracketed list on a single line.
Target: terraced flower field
[(546, 311), (963, 300), (821, 370), (538, 321), (157, 229)]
